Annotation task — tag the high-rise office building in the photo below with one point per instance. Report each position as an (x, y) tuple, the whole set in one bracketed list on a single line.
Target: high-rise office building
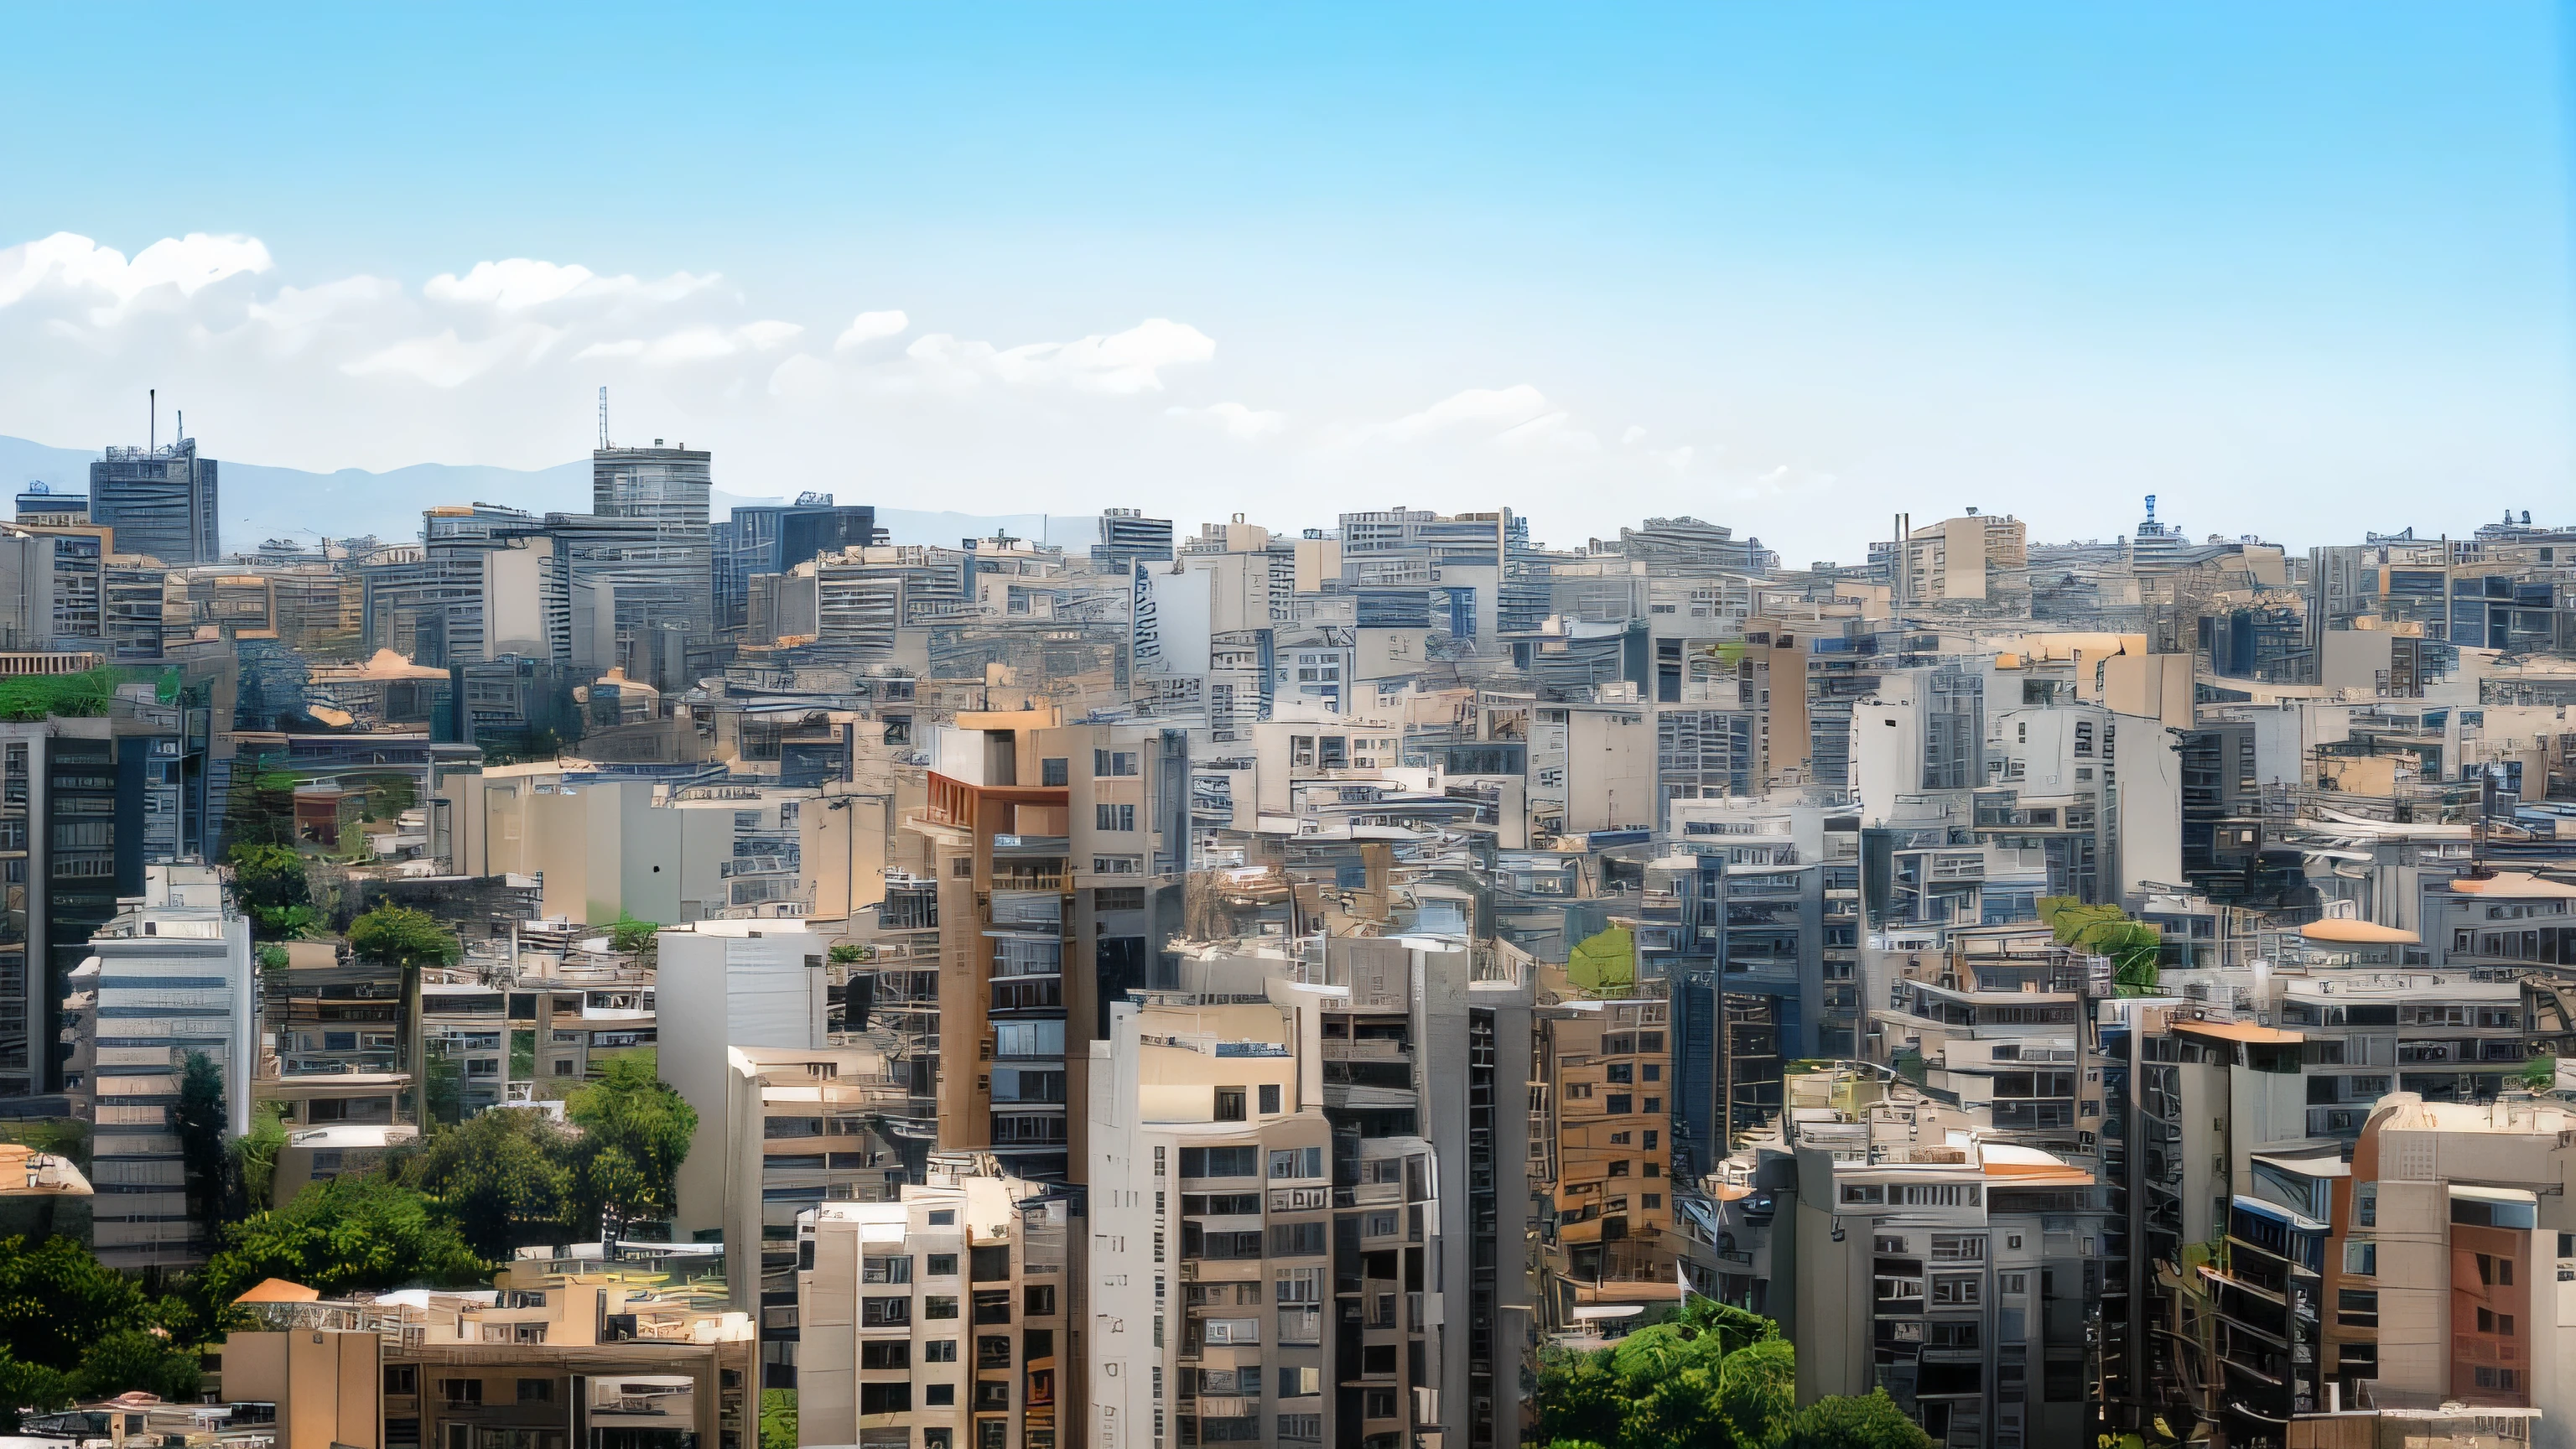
[(771, 538), (641, 560), (160, 500)]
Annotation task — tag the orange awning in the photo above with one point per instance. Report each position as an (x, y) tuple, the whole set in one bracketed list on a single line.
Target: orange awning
[(278, 1290), (2244, 1031), (2359, 933)]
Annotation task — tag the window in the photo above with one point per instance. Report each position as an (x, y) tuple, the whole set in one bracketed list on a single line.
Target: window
[(1619, 1168), (1229, 1104), (1118, 865), (1296, 1162), (2361, 1259), (1220, 1162), (887, 1398), (885, 1354), (2357, 1307), (461, 1391), (885, 1270), (1270, 1099), (889, 1312), (536, 1391), (941, 1265), (938, 1396), (402, 1379), (1620, 1102), (939, 1350), (1106, 764), (1037, 1300), (938, 1305), (1956, 1290), (1578, 1091), (1055, 773), (1113, 817), (2012, 1283)]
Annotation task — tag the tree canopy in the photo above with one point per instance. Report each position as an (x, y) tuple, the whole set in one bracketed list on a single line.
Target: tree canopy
[(2107, 931), (56, 1300), (272, 889), (343, 1236), (199, 1120), (1712, 1377), (635, 1131), (134, 1358), (401, 936), (504, 1175)]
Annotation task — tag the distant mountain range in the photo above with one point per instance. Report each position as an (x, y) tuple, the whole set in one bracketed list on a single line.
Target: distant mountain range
[(262, 502)]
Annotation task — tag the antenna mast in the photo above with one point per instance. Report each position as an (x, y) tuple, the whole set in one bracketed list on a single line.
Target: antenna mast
[(152, 434), (603, 417)]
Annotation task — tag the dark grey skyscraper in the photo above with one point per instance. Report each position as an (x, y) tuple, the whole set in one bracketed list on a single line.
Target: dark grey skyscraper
[(646, 547), (160, 501)]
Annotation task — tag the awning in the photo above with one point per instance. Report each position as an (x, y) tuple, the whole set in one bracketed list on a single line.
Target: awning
[(2359, 933)]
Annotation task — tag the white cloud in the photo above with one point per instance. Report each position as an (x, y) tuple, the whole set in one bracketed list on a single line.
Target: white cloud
[(499, 362), (869, 327), (696, 344), (78, 266), (297, 314), (1249, 424), (1119, 362), (1489, 410), (1549, 430), (519, 283), (448, 362)]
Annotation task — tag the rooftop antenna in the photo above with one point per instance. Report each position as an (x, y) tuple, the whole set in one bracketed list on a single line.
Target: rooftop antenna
[(152, 434), (603, 417)]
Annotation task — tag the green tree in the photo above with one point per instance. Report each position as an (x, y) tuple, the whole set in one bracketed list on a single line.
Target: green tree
[(2540, 1074), (255, 1155), (503, 1176), (401, 936), (343, 1236), (408, 940), (136, 1358), (29, 1387), (443, 1092), (26, 698), (260, 808), (1866, 1422), (848, 953), (628, 936), (199, 1119), (2132, 945), (635, 1131), (1757, 1389), (56, 1300), (777, 1419), (270, 885)]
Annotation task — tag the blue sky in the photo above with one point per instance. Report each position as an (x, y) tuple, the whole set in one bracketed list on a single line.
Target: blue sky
[(2298, 269)]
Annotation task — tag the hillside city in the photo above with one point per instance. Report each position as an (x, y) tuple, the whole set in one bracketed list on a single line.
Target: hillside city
[(634, 979)]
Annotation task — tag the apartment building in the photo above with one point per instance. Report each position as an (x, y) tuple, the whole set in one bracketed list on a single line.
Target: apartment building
[(1956, 1271), (801, 1128), (722, 987), (169, 979), (2455, 1251), (557, 1354), (1604, 1122), (950, 1316)]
